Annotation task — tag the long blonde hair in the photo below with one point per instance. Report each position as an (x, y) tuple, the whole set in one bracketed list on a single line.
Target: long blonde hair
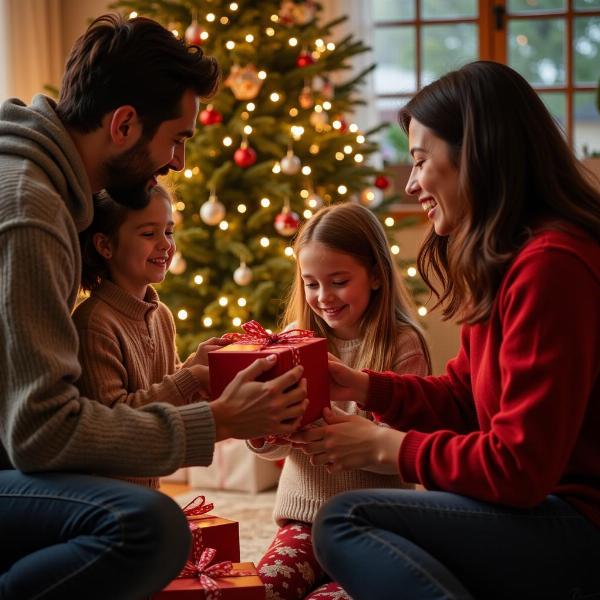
[(355, 230)]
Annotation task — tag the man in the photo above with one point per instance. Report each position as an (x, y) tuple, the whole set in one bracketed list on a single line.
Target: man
[(128, 102)]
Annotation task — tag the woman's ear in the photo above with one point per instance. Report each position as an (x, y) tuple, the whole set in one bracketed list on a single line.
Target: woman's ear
[(103, 245)]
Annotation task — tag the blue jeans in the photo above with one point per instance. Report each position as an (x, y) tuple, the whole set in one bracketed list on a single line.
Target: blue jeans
[(77, 536), (403, 545)]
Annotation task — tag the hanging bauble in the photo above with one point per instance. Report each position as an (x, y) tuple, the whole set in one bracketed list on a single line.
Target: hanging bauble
[(340, 124), (178, 264), (306, 99), (318, 119), (243, 274), (244, 156), (371, 197), (291, 13), (286, 222), (304, 59), (314, 201), (193, 34), (323, 86), (244, 82), (290, 163), (212, 211), (210, 116), (382, 182)]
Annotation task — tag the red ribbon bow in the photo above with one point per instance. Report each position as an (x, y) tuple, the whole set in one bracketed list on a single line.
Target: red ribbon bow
[(198, 506), (207, 573), (255, 333)]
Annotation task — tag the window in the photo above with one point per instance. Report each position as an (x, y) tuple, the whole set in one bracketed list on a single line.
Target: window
[(554, 44)]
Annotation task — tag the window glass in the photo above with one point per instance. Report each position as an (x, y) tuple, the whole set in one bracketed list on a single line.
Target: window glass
[(586, 124), (393, 10), (536, 49), (395, 58), (586, 54), (448, 9), (446, 47)]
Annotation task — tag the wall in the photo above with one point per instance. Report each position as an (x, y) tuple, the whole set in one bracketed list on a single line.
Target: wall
[(76, 16)]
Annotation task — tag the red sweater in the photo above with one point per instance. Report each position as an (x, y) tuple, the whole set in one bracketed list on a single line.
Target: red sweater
[(517, 415)]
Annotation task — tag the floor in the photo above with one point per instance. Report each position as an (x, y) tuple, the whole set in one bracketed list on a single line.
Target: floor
[(252, 511)]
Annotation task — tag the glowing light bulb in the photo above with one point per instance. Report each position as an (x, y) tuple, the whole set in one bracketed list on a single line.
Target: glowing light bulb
[(358, 158), (204, 35), (227, 141), (264, 242), (233, 6), (262, 75), (293, 41), (230, 45), (411, 271), (180, 206), (307, 213), (270, 31), (182, 314), (342, 189), (276, 168), (188, 173), (348, 149), (331, 46), (395, 249), (242, 208), (249, 38), (389, 221), (223, 301), (210, 17), (360, 139), (327, 105), (306, 170), (198, 280), (289, 251), (250, 106), (314, 149), (304, 194), (339, 156), (133, 14), (422, 311), (274, 18), (207, 321), (242, 302), (247, 129), (274, 97), (175, 32), (293, 112), (224, 20), (265, 202), (223, 225), (236, 321)]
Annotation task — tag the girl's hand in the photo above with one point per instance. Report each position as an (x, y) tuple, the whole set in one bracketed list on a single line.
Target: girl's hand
[(252, 409), (346, 384), (200, 357), (351, 442)]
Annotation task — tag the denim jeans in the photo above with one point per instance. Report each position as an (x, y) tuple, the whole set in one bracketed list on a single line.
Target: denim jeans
[(75, 536), (404, 544)]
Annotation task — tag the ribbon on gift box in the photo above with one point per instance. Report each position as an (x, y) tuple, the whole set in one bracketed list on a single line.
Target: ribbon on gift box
[(197, 507), (255, 333), (200, 567)]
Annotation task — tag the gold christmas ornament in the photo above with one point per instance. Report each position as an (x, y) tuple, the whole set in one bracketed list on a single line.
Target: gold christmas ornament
[(244, 82)]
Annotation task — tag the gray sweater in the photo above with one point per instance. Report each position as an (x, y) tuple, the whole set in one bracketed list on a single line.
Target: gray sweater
[(45, 201)]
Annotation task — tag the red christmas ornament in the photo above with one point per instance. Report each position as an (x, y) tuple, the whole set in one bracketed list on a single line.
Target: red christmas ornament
[(210, 116), (193, 34), (382, 182), (244, 156), (304, 59), (286, 222)]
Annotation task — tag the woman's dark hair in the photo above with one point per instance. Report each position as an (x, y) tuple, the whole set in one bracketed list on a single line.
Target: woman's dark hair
[(108, 217), (515, 171), (135, 62)]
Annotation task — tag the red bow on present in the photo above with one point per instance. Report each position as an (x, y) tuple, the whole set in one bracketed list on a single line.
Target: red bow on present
[(198, 506), (255, 333), (206, 574)]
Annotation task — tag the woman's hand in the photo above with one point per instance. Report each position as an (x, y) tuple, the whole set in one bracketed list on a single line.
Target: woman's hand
[(346, 384), (253, 409), (200, 357), (200, 374), (351, 442)]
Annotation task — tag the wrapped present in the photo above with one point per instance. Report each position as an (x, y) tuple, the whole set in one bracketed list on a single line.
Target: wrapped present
[(211, 531), (203, 580), (235, 468), (292, 347)]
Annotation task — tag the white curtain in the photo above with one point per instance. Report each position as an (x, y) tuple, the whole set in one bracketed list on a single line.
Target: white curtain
[(30, 47), (360, 24)]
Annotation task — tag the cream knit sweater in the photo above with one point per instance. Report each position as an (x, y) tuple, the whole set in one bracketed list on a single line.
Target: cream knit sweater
[(45, 423), (303, 488), (127, 352)]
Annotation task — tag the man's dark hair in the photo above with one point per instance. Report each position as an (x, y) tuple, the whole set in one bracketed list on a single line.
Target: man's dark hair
[(135, 62)]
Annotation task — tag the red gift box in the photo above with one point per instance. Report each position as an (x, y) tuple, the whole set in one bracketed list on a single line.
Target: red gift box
[(291, 347), (213, 532), (245, 587)]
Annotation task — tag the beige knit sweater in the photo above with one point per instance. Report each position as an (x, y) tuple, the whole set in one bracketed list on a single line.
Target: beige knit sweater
[(127, 352), (303, 488), (45, 423)]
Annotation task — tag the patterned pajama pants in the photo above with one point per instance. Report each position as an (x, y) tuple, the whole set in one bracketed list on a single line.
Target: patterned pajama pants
[(290, 570)]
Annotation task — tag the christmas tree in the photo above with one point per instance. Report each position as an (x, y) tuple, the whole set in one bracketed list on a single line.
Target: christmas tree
[(274, 145)]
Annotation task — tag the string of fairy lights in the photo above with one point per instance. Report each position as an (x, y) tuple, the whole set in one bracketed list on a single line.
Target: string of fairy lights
[(213, 212)]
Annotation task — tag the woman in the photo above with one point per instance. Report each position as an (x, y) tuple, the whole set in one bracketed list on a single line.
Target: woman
[(508, 439)]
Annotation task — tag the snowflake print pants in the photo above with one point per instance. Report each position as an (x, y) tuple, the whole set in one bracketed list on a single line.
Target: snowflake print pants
[(290, 570)]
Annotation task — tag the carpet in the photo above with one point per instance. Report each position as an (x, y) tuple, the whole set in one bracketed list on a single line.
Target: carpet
[(254, 512)]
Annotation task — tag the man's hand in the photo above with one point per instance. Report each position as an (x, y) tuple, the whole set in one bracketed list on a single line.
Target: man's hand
[(346, 384), (351, 442), (252, 409), (200, 374), (200, 357)]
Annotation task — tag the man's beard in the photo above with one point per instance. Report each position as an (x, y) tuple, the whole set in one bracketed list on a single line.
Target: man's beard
[(128, 176)]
